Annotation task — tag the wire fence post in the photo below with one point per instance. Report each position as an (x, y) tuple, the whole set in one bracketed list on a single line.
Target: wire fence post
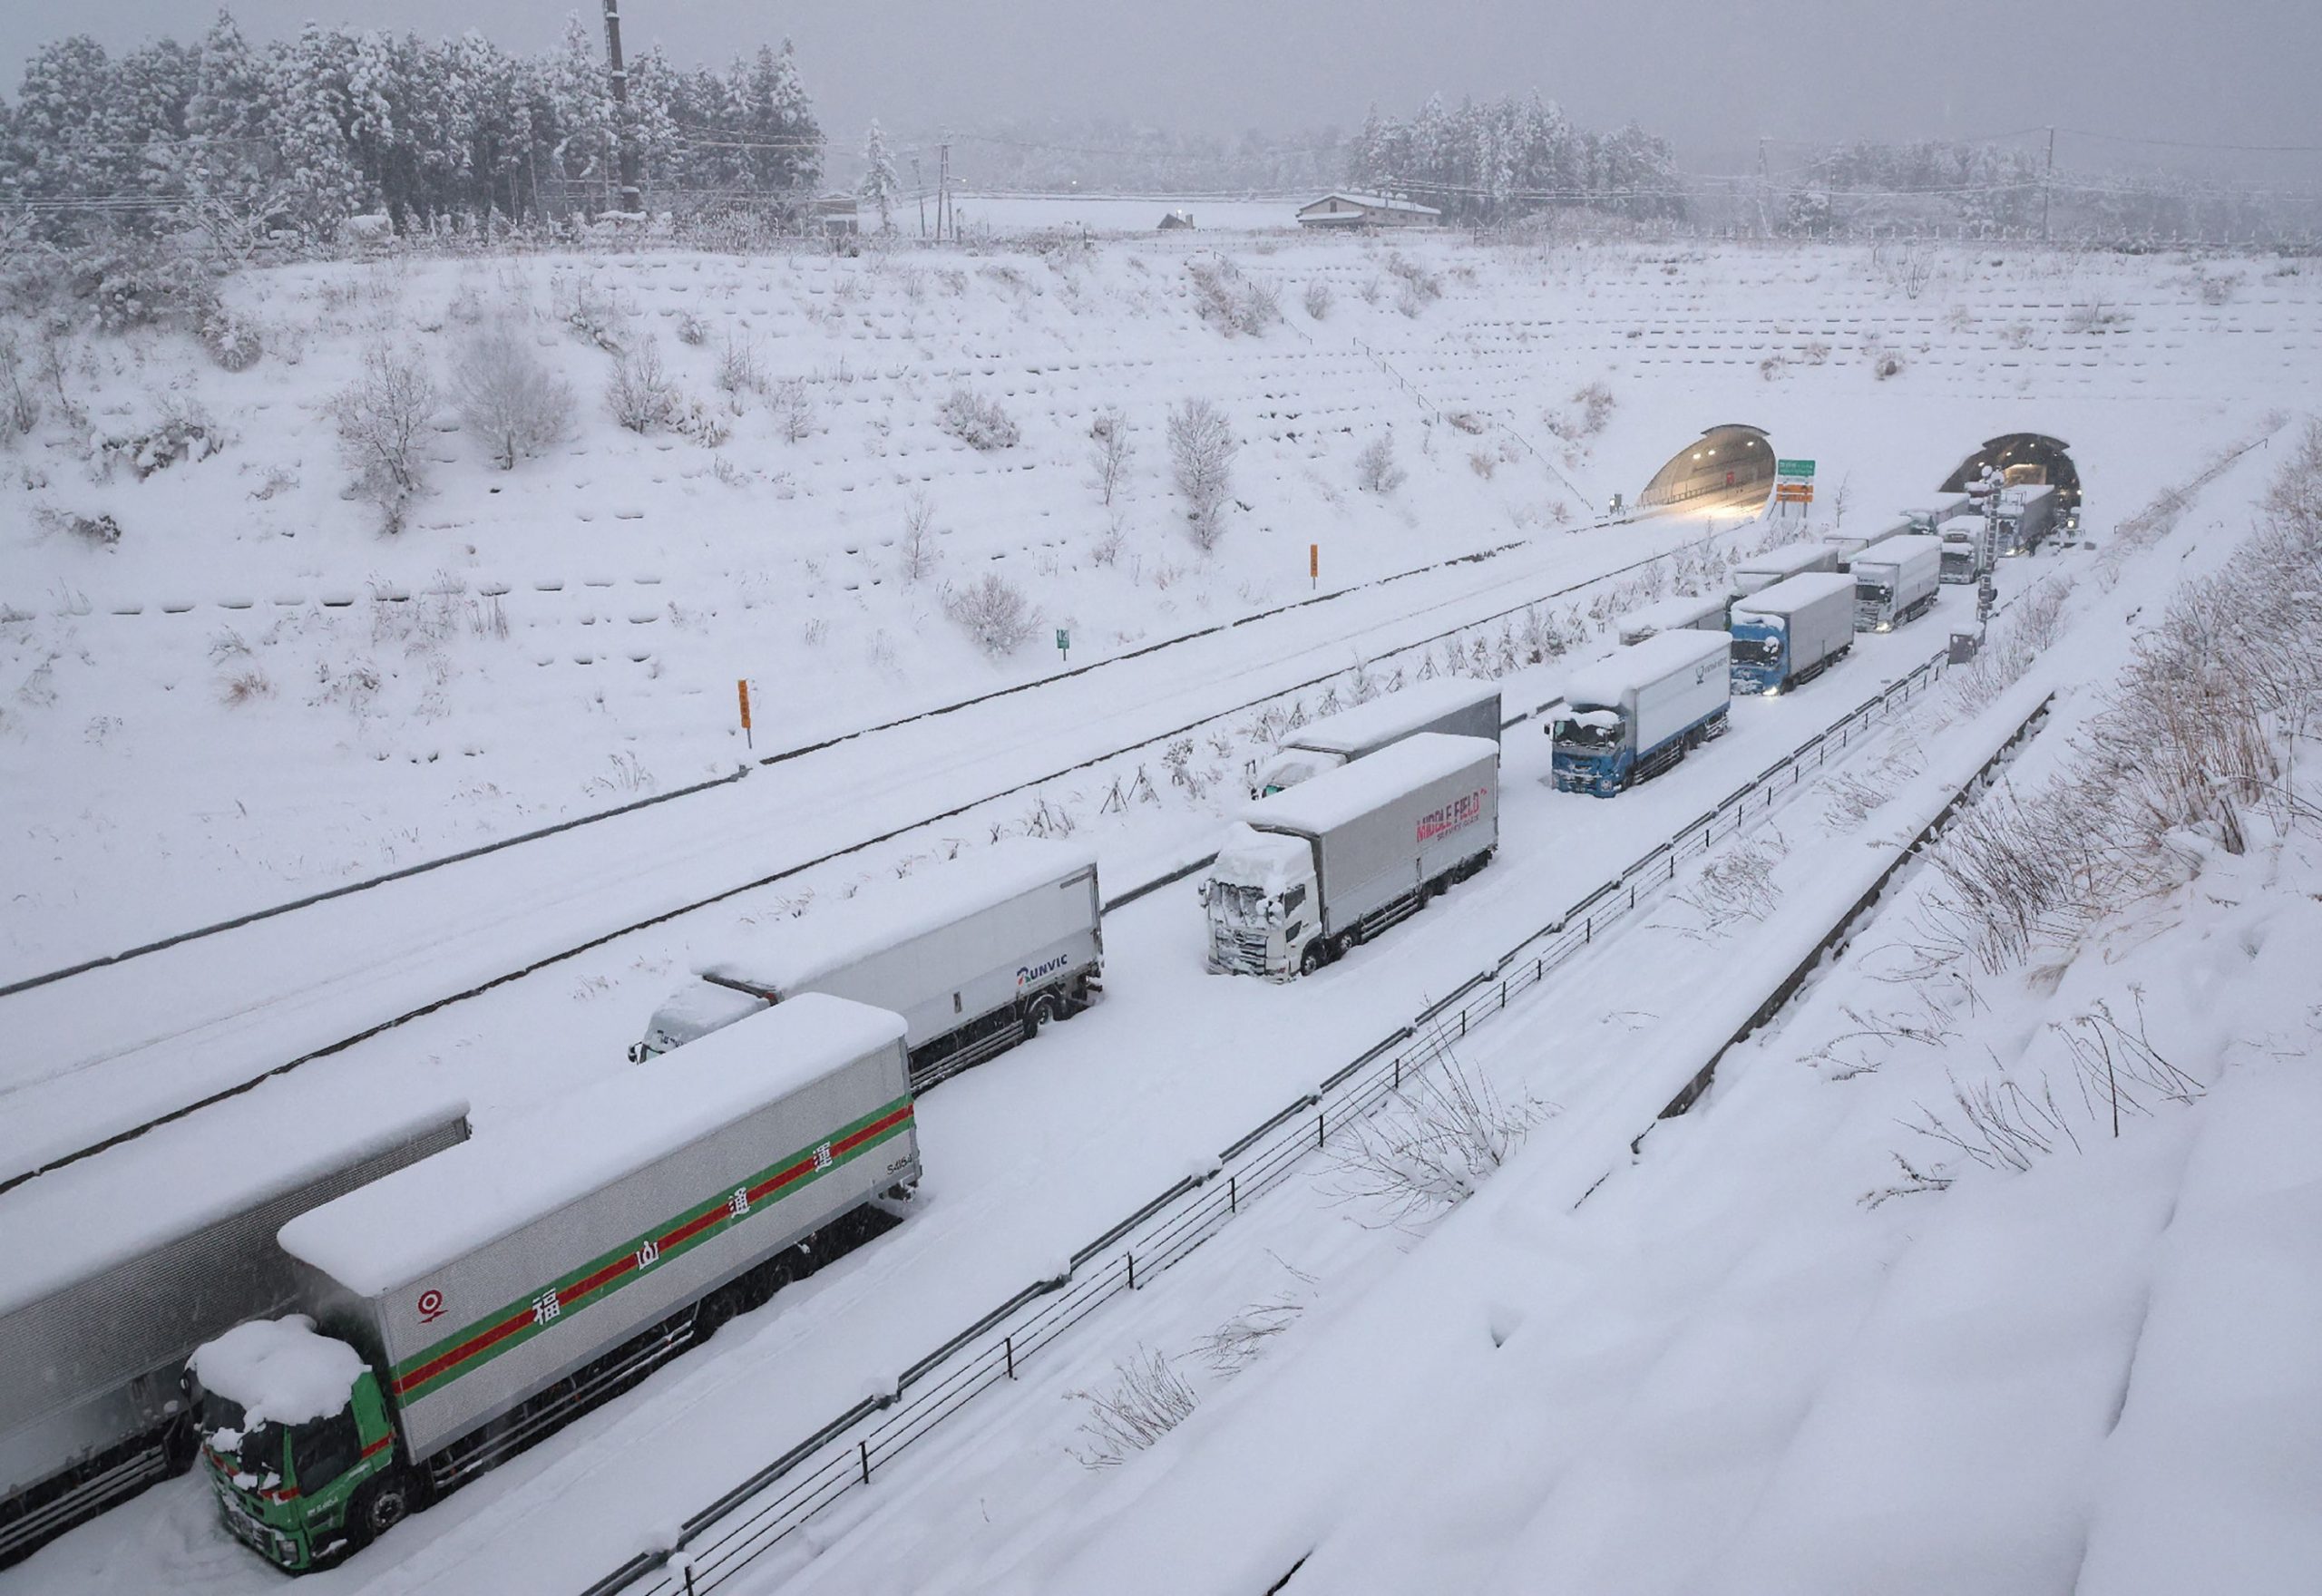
[(1012, 1358), (1233, 1193), (1132, 1269), (863, 1447), (1318, 1127)]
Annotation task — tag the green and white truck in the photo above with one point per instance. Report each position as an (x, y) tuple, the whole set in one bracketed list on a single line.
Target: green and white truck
[(455, 1311)]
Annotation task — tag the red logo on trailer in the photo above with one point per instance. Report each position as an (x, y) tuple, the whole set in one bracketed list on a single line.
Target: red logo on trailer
[(1459, 812), (431, 1305)]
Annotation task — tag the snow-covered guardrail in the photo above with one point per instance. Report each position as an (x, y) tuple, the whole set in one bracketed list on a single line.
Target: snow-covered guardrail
[(717, 1542)]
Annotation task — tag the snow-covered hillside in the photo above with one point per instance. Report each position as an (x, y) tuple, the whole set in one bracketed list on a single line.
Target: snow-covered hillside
[(255, 692)]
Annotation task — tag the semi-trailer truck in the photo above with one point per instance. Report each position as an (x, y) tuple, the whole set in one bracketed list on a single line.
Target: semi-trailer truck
[(1896, 582), (1683, 612), (121, 1264), (1635, 713), (1789, 633), (2026, 517), (1851, 548), (1761, 571), (1930, 521), (1306, 874), (1966, 543), (1462, 706), (976, 954), (458, 1309)]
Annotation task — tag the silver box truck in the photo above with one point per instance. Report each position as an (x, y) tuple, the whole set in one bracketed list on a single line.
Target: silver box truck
[(1790, 632), (1306, 874), (1851, 548), (1463, 707), (455, 1311), (976, 954), (1761, 571), (1967, 546), (121, 1264), (2026, 517), (1896, 581), (1683, 612), (1635, 713)]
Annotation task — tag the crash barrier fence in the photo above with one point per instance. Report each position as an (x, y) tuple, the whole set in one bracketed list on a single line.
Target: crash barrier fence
[(724, 1538)]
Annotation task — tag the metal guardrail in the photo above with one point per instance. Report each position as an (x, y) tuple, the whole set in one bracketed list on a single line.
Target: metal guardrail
[(726, 1536)]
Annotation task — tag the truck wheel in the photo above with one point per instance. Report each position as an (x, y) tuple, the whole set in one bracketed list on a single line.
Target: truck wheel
[(1038, 1013), (379, 1507), (1312, 960), (714, 1311)]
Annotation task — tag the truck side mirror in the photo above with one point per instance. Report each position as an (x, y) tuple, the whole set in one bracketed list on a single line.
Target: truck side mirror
[(637, 1053), (1201, 894)]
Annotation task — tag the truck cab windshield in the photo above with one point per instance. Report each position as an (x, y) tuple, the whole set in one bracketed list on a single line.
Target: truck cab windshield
[(1582, 735), (1242, 906), (325, 1448), (1761, 650), (1873, 592), (225, 1425)]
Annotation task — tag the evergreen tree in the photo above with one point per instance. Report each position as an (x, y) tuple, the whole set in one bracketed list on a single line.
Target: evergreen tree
[(880, 185)]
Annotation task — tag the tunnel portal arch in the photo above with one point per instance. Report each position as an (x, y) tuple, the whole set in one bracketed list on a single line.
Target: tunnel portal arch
[(1724, 459), (2023, 457)]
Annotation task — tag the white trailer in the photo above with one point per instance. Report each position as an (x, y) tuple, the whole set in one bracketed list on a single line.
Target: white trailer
[(2026, 516), (1966, 548), (1682, 612), (1789, 633), (976, 955), (1851, 548), (1762, 571), (1462, 706), (1306, 874), (1635, 713), (121, 1264), (485, 1296), (1896, 582)]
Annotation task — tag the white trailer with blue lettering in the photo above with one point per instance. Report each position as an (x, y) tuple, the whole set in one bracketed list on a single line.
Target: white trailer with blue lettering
[(976, 954)]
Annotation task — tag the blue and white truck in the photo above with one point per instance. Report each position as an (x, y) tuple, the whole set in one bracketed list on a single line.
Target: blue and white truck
[(1789, 633), (1637, 712), (1896, 581)]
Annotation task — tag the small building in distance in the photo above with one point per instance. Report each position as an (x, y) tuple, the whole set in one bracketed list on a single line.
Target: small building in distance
[(1171, 219), (1367, 210), (838, 215)]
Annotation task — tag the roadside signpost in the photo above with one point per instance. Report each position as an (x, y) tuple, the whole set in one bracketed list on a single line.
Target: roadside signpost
[(1064, 643), (1793, 482), (742, 687)]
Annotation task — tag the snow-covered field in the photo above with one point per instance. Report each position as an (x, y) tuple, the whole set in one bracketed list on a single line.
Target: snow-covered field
[(638, 577)]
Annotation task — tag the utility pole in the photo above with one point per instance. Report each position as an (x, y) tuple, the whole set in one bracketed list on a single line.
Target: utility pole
[(918, 187), (944, 189), (2048, 185), (633, 199), (1765, 228)]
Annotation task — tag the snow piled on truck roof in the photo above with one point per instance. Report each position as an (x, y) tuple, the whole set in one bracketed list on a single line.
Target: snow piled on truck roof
[(280, 1370), (1637, 666), (1391, 713), (159, 1188), (419, 1218), (1799, 592), (1336, 797), (794, 954)]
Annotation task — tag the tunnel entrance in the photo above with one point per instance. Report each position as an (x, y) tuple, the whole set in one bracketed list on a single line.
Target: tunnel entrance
[(1730, 459), (2021, 458)]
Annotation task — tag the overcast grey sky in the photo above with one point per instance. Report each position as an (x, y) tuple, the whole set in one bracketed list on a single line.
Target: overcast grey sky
[(1712, 77)]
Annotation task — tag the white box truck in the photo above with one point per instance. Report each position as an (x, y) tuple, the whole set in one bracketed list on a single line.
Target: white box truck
[(1761, 571), (1896, 582), (1306, 874), (1851, 548), (2026, 516), (121, 1264), (1463, 707), (1635, 713), (1966, 548), (1682, 612), (1789, 633), (976, 954), (458, 1309)]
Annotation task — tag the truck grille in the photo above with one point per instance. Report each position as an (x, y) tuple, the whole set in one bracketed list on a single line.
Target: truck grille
[(1241, 952)]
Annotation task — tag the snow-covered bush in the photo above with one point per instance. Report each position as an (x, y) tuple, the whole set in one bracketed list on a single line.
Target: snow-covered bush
[(640, 393), (510, 399), (591, 313), (1318, 299), (979, 423), (182, 432), (792, 405), (380, 417), (142, 285), (233, 341), (99, 531), (1584, 415), (1201, 460), (19, 400), (692, 331), (1110, 449), (1146, 1400), (1226, 299), (1433, 1145), (739, 370), (916, 551), (1375, 470), (993, 612)]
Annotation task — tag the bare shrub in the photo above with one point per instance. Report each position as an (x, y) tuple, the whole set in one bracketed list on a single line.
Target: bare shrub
[(19, 396), (245, 686), (380, 418), (1256, 307), (590, 312), (1417, 281), (509, 398), (1736, 887), (993, 612), (99, 531), (640, 393), (1201, 461), (979, 423), (183, 431), (692, 331), (916, 552), (1885, 362), (1483, 463), (1317, 300), (1146, 1399), (794, 409), (1433, 1144), (1585, 416), (1375, 470), (739, 370), (1110, 449)]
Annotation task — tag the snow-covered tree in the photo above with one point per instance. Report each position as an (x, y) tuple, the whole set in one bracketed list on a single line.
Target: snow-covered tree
[(879, 187)]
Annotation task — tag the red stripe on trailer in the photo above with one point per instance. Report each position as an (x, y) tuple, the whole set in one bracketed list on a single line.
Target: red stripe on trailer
[(465, 1350)]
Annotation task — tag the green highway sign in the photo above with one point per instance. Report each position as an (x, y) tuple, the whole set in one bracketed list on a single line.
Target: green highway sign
[(1794, 468)]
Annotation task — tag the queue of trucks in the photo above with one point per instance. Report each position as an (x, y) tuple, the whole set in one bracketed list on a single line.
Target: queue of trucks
[(374, 1318)]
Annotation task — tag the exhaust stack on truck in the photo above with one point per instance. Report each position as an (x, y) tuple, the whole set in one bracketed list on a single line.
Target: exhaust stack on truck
[(455, 1311), (1306, 874), (1635, 713), (1462, 706), (976, 955), (1789, 633), (125, 1261), (1896, 582)]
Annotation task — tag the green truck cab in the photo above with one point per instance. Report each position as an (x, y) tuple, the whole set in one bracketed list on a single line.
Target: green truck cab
[(299, 1479)]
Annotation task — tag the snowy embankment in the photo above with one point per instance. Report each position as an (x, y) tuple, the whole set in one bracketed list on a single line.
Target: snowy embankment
[(1895, 1306)]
